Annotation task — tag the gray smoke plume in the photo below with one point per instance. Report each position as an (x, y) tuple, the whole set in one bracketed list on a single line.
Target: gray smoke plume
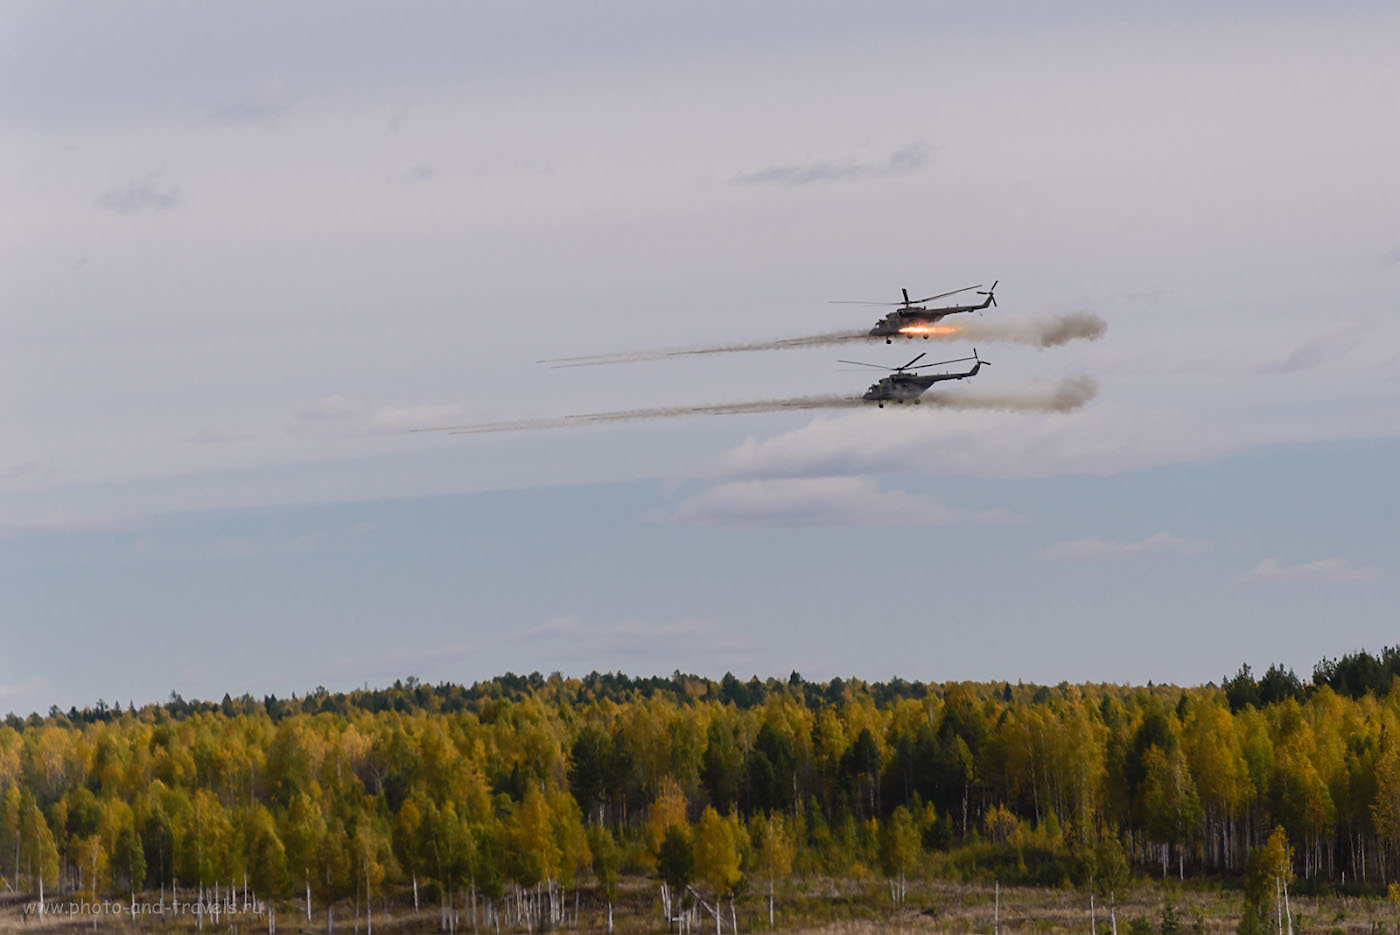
[(1067, 395), (1036, 332)]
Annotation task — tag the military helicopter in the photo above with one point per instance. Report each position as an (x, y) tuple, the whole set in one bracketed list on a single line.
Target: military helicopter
[(911, 318), (903, 385)]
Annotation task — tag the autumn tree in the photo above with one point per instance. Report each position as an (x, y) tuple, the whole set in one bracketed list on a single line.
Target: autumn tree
[(607, 861), (899, 850), (1111, 875), (775, 854), (717, 855), (675, 863), (1266, 878)]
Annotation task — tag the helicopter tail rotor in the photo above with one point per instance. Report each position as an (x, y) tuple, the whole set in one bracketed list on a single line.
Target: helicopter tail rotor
[(991, 294)]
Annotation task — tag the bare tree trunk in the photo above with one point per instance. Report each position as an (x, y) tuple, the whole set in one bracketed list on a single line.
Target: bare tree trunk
[(1093, 930)]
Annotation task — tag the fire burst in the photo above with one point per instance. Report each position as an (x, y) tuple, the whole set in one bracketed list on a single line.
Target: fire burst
[(928, 330)]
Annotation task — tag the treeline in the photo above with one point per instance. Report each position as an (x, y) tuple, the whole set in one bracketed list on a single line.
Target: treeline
[(527, 784), (1353, 676), (447, 697)]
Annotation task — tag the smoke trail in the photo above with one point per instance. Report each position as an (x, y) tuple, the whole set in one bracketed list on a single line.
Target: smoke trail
[(781, 344), (1036, 332), (1066, 396)]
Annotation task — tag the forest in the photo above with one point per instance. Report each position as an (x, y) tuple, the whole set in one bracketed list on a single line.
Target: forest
[(508, 798)]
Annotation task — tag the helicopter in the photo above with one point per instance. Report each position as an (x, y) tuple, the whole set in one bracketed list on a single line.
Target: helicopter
[(911, 318), (903, 385)]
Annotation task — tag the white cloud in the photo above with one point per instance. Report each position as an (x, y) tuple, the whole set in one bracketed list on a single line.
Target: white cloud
[(1327, 569), (822, 501), (998, 444), (1094, 550)]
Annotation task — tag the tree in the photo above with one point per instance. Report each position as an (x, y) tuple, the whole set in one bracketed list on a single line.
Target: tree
[(332, 879), (667, 810), (899, 850), (372, 857), (1269, 872), (407, 842), (303, 827), (1111, 875), (129, 859), (675, 863), (590, 767), (267, 858), (92, 857), (1170, 923), (717, 855), (772, 766), (775, 854), (607, 859), (1169, 803), (860, 766), (721, 765)]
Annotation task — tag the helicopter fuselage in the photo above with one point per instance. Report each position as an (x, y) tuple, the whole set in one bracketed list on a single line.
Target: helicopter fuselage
[(907, 315), (908, 387)]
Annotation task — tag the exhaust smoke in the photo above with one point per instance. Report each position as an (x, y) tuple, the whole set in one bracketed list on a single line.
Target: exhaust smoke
[(1035, 332), (1066, 396)]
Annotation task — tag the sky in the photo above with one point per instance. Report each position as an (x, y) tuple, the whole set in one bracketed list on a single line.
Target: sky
[(246, 249)]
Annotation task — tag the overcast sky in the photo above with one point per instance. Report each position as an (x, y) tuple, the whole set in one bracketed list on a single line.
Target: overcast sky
[(245, 248)]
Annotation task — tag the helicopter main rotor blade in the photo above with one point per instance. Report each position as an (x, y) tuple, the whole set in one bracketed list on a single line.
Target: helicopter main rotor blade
[(859, 363), (859, 302), (946, 294), (955, 360), (911, 363)]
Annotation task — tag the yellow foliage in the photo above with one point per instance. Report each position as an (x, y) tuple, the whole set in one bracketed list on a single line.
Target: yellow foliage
[(668, 809)]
